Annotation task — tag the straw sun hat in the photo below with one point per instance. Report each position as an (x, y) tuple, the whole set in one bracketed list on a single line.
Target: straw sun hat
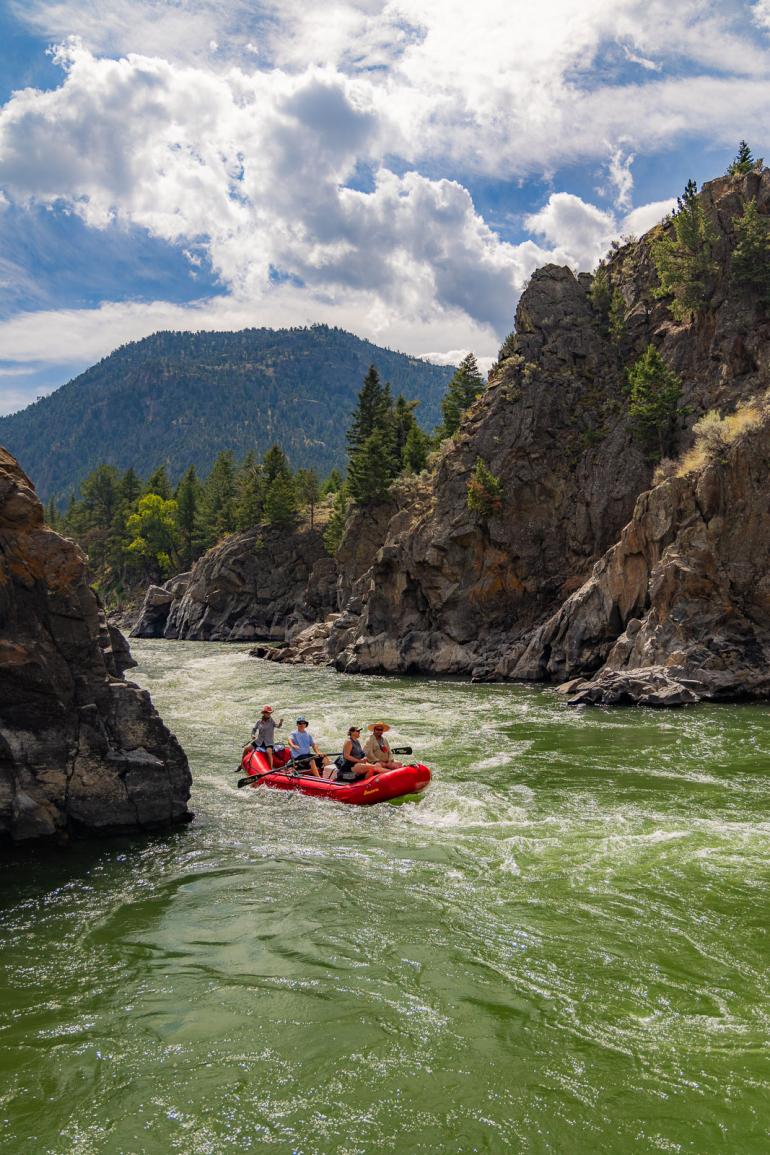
[(377, 725)]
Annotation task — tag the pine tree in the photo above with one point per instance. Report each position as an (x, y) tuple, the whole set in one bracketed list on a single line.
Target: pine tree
[(508, 347), (369, 472), (130, 487), (616, 319), (52, 514), (121, 560), (750, 261), (306, 482), (485, 491), (217, 506), (188, 497), (415, 455), (332, 484), (684, 259), (654, 399), (335, 526), (465, 386), (744, 161), (280, 507), (91, 518), (274, 464), (600, 294), (403, 423), (99, 495), (250, 490), (159, 483), (372, 410)]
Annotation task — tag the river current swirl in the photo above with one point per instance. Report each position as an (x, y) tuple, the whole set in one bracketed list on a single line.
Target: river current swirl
[(562, 948)]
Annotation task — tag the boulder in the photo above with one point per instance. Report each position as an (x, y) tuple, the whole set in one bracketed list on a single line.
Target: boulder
[(262, 584)]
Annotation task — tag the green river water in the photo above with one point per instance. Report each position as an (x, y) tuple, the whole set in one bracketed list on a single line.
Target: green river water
[(562, 948)]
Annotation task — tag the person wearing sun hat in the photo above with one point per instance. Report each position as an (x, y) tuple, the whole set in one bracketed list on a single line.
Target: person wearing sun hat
[(263, 733), (377, 749)]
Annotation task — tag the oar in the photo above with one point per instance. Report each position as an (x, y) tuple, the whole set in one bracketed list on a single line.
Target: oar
[(286, 770), (282, 769)]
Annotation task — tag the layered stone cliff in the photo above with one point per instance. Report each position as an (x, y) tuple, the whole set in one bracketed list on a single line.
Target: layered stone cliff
[(679, 609), (81, 749)]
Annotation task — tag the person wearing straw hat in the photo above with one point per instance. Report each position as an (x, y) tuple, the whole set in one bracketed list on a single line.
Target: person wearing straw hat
[(377, 749)]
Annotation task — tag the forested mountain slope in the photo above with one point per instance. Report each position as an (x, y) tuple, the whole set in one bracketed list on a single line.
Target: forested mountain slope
[(181, 398)]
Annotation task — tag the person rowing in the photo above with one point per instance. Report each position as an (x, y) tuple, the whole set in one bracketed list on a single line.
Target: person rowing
[(352, 764), (377, 749), (303, 748)]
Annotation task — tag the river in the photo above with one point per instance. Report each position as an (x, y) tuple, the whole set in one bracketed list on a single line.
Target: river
[(562, 948)]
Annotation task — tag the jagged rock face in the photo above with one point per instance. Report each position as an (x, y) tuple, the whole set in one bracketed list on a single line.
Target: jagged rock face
[(258, 585), (80, 749), (684, 595), (445, 588), (449, 594)]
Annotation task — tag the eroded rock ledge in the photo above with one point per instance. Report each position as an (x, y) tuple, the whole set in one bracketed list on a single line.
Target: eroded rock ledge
[(81, 749)]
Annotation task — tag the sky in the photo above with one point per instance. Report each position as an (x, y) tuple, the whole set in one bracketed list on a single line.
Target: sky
[(398, 169)]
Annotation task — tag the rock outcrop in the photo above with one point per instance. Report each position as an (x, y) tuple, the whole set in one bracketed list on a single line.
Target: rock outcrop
[(447, 589), (81, 750), (681, 605), (259, 585)]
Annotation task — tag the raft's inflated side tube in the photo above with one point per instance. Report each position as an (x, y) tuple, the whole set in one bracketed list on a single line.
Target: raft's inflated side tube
[(383, 787)]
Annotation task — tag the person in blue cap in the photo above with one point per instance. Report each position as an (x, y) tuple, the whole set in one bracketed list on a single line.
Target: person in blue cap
[(303, 746)]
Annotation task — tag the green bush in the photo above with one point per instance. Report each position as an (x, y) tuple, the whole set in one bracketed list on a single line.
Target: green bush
[(485, 492)]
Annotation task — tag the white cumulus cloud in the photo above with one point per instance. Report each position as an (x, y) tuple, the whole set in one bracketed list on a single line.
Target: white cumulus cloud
[(301, 148)]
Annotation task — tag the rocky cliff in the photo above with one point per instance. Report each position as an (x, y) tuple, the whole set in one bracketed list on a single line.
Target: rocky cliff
[(259, 585), (81, 749), (679, 609), (451, 592)]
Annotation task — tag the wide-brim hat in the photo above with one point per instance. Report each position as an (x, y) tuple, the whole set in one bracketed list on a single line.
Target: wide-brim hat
[(376, 726), (267, 709)]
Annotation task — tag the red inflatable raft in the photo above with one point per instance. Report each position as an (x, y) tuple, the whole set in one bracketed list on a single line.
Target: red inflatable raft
[(383, 787)]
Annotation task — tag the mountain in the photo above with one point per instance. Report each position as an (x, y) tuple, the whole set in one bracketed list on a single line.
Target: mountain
[(178, 399)]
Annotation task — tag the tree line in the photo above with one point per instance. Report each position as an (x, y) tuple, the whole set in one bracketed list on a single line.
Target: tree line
[(139, 531)]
